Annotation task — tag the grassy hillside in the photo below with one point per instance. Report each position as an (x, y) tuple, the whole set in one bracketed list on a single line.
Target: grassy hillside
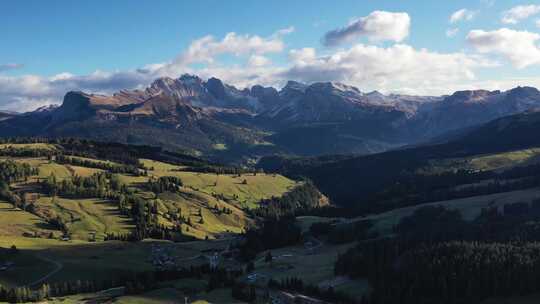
[(165, 295), (190, 203), (33, 146), (257, 186), (487, 162), (84, 216), (16, 222), (469, 207), (211, 206), (200, 201)]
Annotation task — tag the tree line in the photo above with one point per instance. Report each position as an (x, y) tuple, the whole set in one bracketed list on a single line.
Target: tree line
[(437, 257), (301, 199), (133, 283), (295, 284), (110, 167), (271, 233)]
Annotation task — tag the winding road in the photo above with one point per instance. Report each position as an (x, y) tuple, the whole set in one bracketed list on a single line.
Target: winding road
[(57, 268)]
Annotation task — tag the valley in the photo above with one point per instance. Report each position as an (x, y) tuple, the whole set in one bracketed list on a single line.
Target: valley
[(65, 217), (85, 221), (269, 152)]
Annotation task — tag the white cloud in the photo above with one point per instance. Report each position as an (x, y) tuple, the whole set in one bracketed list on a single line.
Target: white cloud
[(520, 47), (462, 15), (207, 48), (258, 60), (285, 31), (395, 68), (377, 26), (22, 93), (303, 56), (520, 12), (452, 32), (388, 69), (537, 23)]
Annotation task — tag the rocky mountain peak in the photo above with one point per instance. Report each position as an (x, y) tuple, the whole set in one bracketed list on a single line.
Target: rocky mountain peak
[(190, 79), (295, 86), (468, 96), (216, 88), (523, 92)]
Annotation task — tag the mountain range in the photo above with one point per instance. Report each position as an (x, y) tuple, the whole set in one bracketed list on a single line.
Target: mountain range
[(223, 122), (352, 180)]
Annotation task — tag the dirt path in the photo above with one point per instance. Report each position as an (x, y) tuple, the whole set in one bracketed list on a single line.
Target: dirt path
[(57, 268)]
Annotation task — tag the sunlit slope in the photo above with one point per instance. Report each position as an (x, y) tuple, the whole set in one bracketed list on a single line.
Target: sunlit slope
[(212, 204)]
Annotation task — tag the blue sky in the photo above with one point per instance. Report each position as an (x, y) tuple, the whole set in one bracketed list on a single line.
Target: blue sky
[(49, 47)]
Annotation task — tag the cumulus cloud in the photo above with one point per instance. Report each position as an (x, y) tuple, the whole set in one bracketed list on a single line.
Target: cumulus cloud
[(377, 26), (207, 48), (10, 66), (23, 93), (520, 47), (520, 12), (396, 68), (258, 60), (387, 68), (303, 55), (462, 15)]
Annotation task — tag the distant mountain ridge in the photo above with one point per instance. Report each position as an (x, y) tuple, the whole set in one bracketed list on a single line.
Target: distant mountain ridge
[(352, 180), (219, 120)]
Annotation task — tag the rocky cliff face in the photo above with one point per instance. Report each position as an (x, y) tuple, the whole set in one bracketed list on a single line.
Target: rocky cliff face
[(470, 108), (319, 118)]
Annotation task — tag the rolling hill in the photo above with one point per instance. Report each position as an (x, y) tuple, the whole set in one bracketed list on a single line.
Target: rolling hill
[(202, 195)]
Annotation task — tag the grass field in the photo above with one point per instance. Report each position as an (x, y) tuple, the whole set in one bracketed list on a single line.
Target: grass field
[(99, 161), (78, 260), (219, 147), (46, 167), (26, 268), (14, 221), (469, 207), (497, 161), (166, 295), (87, 261), (85, 215), (313, 266), (58, 261), (82, 171), (37, 146), (190, 202), (201, 192), (305, 222), (257, 187), (505, 160)]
